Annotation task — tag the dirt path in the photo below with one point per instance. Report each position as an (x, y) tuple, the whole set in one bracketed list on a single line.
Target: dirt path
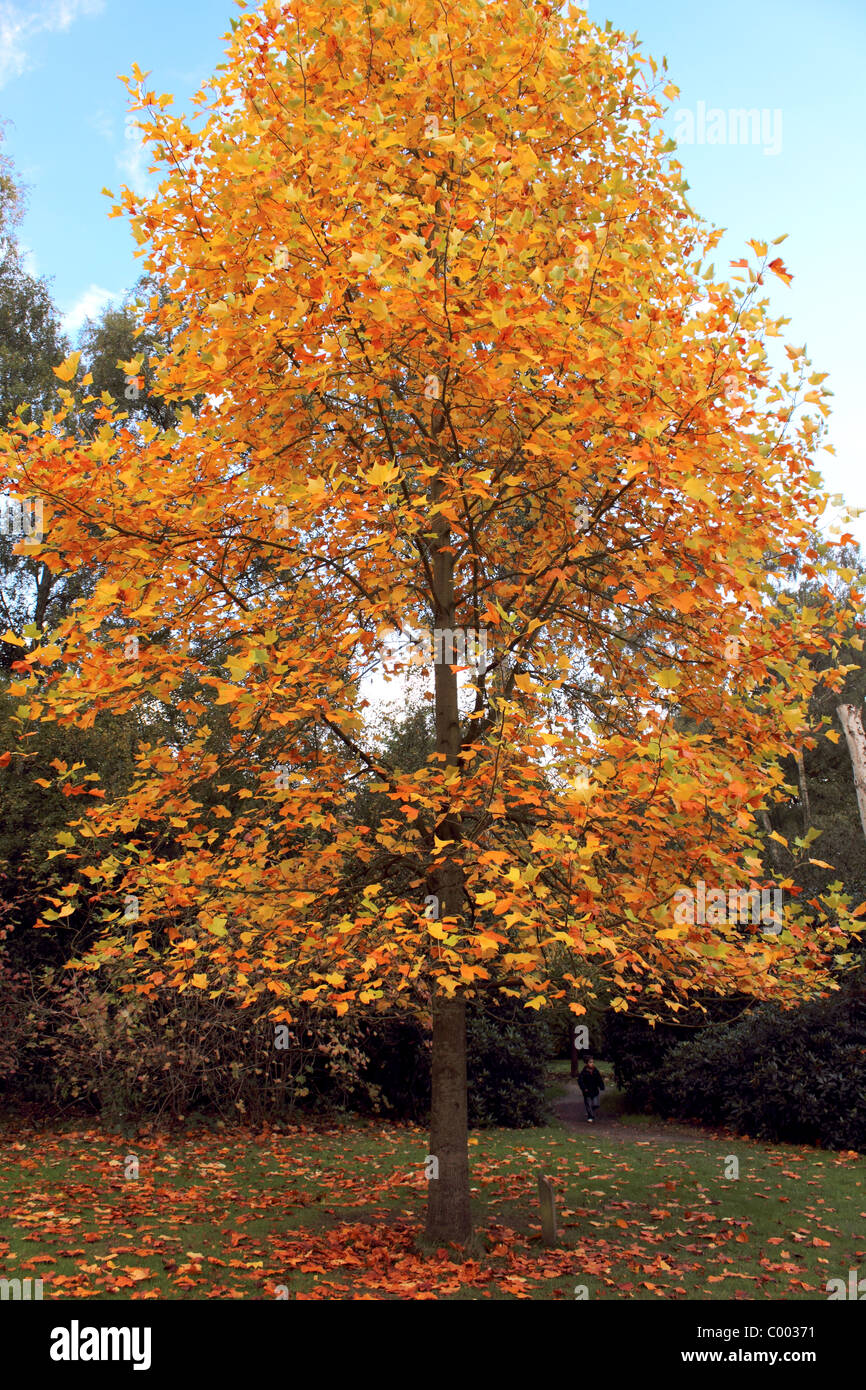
[(570, 1110)]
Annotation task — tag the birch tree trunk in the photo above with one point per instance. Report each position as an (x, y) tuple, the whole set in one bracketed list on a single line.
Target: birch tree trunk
[(852, 723)]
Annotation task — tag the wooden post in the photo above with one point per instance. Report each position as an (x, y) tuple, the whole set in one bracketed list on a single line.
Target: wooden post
[(547, 1202), (852, 723)]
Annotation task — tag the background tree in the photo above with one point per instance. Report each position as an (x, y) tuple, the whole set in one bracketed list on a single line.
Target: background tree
[(41, 763), (816, 809), (31, 339), (127, 334)]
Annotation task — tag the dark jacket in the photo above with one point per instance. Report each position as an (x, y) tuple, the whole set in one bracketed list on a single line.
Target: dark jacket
[(590, 1082)]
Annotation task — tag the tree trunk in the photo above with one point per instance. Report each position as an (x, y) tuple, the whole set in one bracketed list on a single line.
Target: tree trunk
[(772, 844), (575, 1055), (852, 723), (448, 1210), (804, 791), (448, 1213)]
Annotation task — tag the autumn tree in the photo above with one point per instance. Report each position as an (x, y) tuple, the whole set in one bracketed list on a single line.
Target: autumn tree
[(466, 368), (120, 350)]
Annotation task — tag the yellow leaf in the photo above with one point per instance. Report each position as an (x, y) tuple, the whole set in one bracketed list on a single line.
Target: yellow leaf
[(774, 835), (421, 267), (66, 371), (668, 680), (362, 260), (382, 473), (695, 488), (200, 981), (45, 655), (132, 367)]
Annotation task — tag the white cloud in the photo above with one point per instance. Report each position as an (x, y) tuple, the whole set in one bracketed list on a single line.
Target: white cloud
[(28, 259), (102, 123), (87, 306), (135, 158), (21, 23)]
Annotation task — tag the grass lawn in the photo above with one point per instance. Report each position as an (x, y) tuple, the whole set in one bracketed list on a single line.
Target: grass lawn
[(336, 1211)]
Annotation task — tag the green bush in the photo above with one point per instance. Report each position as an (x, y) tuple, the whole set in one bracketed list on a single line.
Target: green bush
[(796, 1076), (508, 1047), (636, 1050)]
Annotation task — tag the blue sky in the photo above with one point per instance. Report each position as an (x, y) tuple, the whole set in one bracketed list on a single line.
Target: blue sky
[(799, 64)]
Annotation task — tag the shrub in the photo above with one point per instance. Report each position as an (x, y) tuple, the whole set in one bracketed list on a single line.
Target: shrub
[(796, 1076), (507, 1052), (636, 1050), (81, 1041), (508, 1047)]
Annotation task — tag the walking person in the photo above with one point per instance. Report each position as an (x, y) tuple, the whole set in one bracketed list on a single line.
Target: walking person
[(591, 1084)]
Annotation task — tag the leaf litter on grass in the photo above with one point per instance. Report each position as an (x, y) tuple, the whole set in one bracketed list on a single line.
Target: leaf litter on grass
[(336, 1211)]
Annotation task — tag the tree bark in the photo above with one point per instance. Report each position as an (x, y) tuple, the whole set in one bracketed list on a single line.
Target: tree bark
[(449, 1217), (852, 723), (772, 844), (575, 1055), (804, 791), (448, 1208)]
